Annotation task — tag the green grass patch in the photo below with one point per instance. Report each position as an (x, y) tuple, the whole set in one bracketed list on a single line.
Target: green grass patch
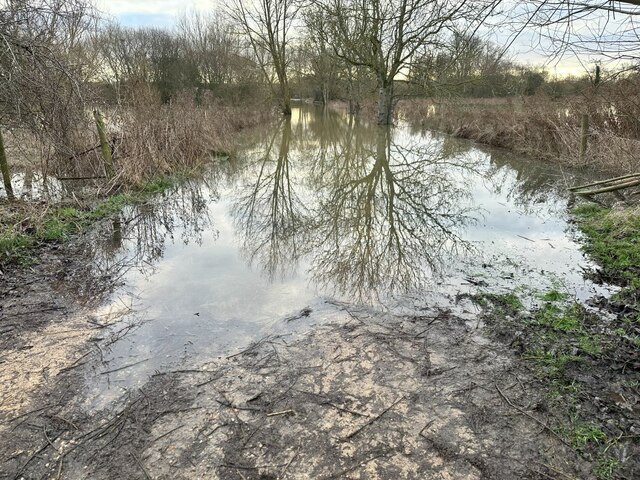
[(559, 317), (612, 239), (15, 247), (549, 364), (606, 467), (158, 185), (584, 433), (562, 391), (111, 206), (553, 296), (500, 303), (60, 225)]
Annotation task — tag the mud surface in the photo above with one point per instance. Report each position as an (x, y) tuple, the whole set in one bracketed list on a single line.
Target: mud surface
[(368, 395)]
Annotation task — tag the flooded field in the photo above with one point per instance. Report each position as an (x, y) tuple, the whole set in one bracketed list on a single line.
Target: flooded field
[(317, 210), (326, 265)]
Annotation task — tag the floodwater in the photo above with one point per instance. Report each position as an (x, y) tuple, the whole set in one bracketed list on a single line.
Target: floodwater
[(314, 211)]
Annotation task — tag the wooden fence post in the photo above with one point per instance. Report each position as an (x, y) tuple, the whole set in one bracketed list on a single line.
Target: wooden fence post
[(104, 145), (584, 136), (4, 166)]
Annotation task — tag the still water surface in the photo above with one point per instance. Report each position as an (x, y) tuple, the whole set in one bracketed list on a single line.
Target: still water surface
[(315, 210)]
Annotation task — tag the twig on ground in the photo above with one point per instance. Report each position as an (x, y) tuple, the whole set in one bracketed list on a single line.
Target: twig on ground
[(144, 470), (523, 412), (284, 412), (374, 419), (337, 407), (167, 433), (125, 367)]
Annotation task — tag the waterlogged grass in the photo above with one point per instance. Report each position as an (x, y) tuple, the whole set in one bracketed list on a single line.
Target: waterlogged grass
[(60, 224), (553, 296), (564, 345), (576, 354), (612, 239), (500, 303)]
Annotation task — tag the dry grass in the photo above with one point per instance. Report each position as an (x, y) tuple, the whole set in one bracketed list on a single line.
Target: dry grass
[(151, 139), (156, 139), (542, 127)]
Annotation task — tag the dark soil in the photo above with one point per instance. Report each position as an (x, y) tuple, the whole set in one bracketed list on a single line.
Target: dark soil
[(590, 373)]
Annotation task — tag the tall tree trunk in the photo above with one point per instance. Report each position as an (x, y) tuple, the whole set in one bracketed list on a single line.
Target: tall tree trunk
[(286, 99), (4, 166), (385, 102), (285, 91)]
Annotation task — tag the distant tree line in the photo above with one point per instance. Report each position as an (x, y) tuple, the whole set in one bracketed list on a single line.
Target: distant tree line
[(59, 58)]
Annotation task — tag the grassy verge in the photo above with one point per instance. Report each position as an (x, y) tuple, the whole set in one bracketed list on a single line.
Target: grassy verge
[(585, 364), (612, 239), (25, 227), (586, 360)]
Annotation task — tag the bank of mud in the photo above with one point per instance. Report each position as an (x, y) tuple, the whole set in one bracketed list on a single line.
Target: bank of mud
[(367, 395)]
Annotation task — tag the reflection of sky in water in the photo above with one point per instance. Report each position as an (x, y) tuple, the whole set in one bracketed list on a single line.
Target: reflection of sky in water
[(242, 275)]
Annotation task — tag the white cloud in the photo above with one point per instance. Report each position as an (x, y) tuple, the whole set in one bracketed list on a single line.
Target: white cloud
[(153, 7)]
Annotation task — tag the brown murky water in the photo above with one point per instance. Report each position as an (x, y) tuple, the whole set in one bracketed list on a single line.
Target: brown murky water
[(318, 209)]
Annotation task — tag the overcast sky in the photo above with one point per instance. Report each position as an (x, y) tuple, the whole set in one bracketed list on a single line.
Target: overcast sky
[(163, 13)]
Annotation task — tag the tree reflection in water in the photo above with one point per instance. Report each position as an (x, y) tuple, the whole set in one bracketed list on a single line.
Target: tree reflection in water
[(269, 212), (365, 211), (136, 238), (371, 215)]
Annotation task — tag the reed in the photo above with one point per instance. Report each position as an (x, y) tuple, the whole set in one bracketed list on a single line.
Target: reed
[(542, 127), (161, 139)]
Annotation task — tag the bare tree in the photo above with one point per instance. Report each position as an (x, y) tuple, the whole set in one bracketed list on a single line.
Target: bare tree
[(604, 29), (124, 55), (322, 61), (267, 25), (44, 68), (210, 44), (385, 36)]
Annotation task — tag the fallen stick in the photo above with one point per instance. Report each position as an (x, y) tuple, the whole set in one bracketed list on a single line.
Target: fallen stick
[(524, 412), (81, 178), (125, 367), (521, 236), (613, 188), (374, 419), (342, 409), (144, 470), (167, 433), (602, 182), (285, 412), (75, 364)]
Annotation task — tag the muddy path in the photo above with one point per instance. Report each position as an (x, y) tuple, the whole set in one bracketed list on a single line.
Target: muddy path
[(366, 395)]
